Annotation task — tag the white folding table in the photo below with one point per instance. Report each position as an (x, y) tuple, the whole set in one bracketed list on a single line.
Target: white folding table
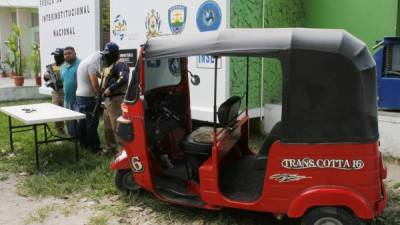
[(39, 115)]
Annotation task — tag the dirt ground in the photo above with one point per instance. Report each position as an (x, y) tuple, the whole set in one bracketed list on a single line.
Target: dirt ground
[(18, 210), (21, 210)]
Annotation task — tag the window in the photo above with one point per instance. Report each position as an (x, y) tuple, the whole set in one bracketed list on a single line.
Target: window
[(162, 73), (392, 59), (133, 89), (264, 86), (159, 73), (34, 19)]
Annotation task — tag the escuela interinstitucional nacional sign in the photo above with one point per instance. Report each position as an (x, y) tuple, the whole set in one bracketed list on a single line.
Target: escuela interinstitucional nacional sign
[(64, 23)]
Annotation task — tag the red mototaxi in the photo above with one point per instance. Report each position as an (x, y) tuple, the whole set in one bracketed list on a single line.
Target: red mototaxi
[(321, 162)]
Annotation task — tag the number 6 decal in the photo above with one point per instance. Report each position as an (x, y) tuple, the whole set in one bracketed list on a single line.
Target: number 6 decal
[(136, 164)]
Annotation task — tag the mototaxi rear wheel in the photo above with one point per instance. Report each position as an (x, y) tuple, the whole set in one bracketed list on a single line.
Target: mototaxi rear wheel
[(330, 216)]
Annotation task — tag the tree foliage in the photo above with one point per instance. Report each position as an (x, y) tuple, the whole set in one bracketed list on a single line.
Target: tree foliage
[(106, 15)]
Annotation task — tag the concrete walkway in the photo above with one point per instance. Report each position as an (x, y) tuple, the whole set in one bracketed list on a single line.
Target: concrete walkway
[(9, 82), (393, 178), (389, 126)]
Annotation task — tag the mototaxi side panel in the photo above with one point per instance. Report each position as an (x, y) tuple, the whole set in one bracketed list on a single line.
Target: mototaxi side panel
[(303, 176)]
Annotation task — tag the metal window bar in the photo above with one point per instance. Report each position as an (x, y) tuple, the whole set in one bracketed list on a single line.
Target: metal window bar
[(215, 99)]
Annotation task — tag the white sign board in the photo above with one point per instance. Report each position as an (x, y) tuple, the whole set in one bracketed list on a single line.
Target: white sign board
[(64, 23), (133, 22)]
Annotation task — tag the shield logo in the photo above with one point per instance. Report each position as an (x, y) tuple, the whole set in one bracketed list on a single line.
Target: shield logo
[(119, 27), (153, 24), (209, 16), (177, 18)]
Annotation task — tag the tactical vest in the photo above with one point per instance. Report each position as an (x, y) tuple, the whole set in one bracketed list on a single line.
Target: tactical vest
[(57, 71), (111, 75)]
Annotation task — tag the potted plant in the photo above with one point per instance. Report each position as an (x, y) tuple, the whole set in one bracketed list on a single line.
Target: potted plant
[(35, 59), (14, 57), (10, 61)]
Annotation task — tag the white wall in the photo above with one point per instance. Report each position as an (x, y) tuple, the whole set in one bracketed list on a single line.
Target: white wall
[(272, 114)]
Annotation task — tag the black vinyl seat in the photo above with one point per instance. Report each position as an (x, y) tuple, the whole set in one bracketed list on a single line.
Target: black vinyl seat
[(199, 142), (262, 156), (274, 135)]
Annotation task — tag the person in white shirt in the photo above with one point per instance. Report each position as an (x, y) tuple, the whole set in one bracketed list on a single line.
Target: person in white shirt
[(87, 90)]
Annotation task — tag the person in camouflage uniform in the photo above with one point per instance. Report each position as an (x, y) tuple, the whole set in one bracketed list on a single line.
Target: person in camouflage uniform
[(57, 95)]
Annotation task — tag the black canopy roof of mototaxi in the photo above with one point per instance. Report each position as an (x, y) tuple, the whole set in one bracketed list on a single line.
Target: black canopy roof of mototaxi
[(329, 85)]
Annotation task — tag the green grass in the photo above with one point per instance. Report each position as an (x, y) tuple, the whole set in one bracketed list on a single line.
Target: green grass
[(40, 215), (391, 216), (98, 220), (61, 176), (3, 177)]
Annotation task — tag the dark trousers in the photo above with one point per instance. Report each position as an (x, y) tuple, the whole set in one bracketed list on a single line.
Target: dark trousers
[(88, 135)]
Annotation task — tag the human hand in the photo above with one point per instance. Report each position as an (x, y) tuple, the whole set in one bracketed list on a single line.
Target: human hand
[(46, 76), (107, 92)]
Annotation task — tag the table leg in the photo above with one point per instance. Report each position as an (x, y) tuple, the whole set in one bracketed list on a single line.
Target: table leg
[(76, 142), (45, 133), (36, 146), (11, 134)]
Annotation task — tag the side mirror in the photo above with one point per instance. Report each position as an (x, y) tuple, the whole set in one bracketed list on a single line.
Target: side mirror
[(194, 79)]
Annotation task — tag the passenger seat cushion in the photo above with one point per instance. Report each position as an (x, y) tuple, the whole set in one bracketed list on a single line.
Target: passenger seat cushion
[(203, 135), (199, 142)]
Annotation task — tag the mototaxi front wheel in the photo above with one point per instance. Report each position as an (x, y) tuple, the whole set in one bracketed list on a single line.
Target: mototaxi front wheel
[(124, 182)]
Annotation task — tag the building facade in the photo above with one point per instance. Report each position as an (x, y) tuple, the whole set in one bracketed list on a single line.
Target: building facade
[(24, 13)]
